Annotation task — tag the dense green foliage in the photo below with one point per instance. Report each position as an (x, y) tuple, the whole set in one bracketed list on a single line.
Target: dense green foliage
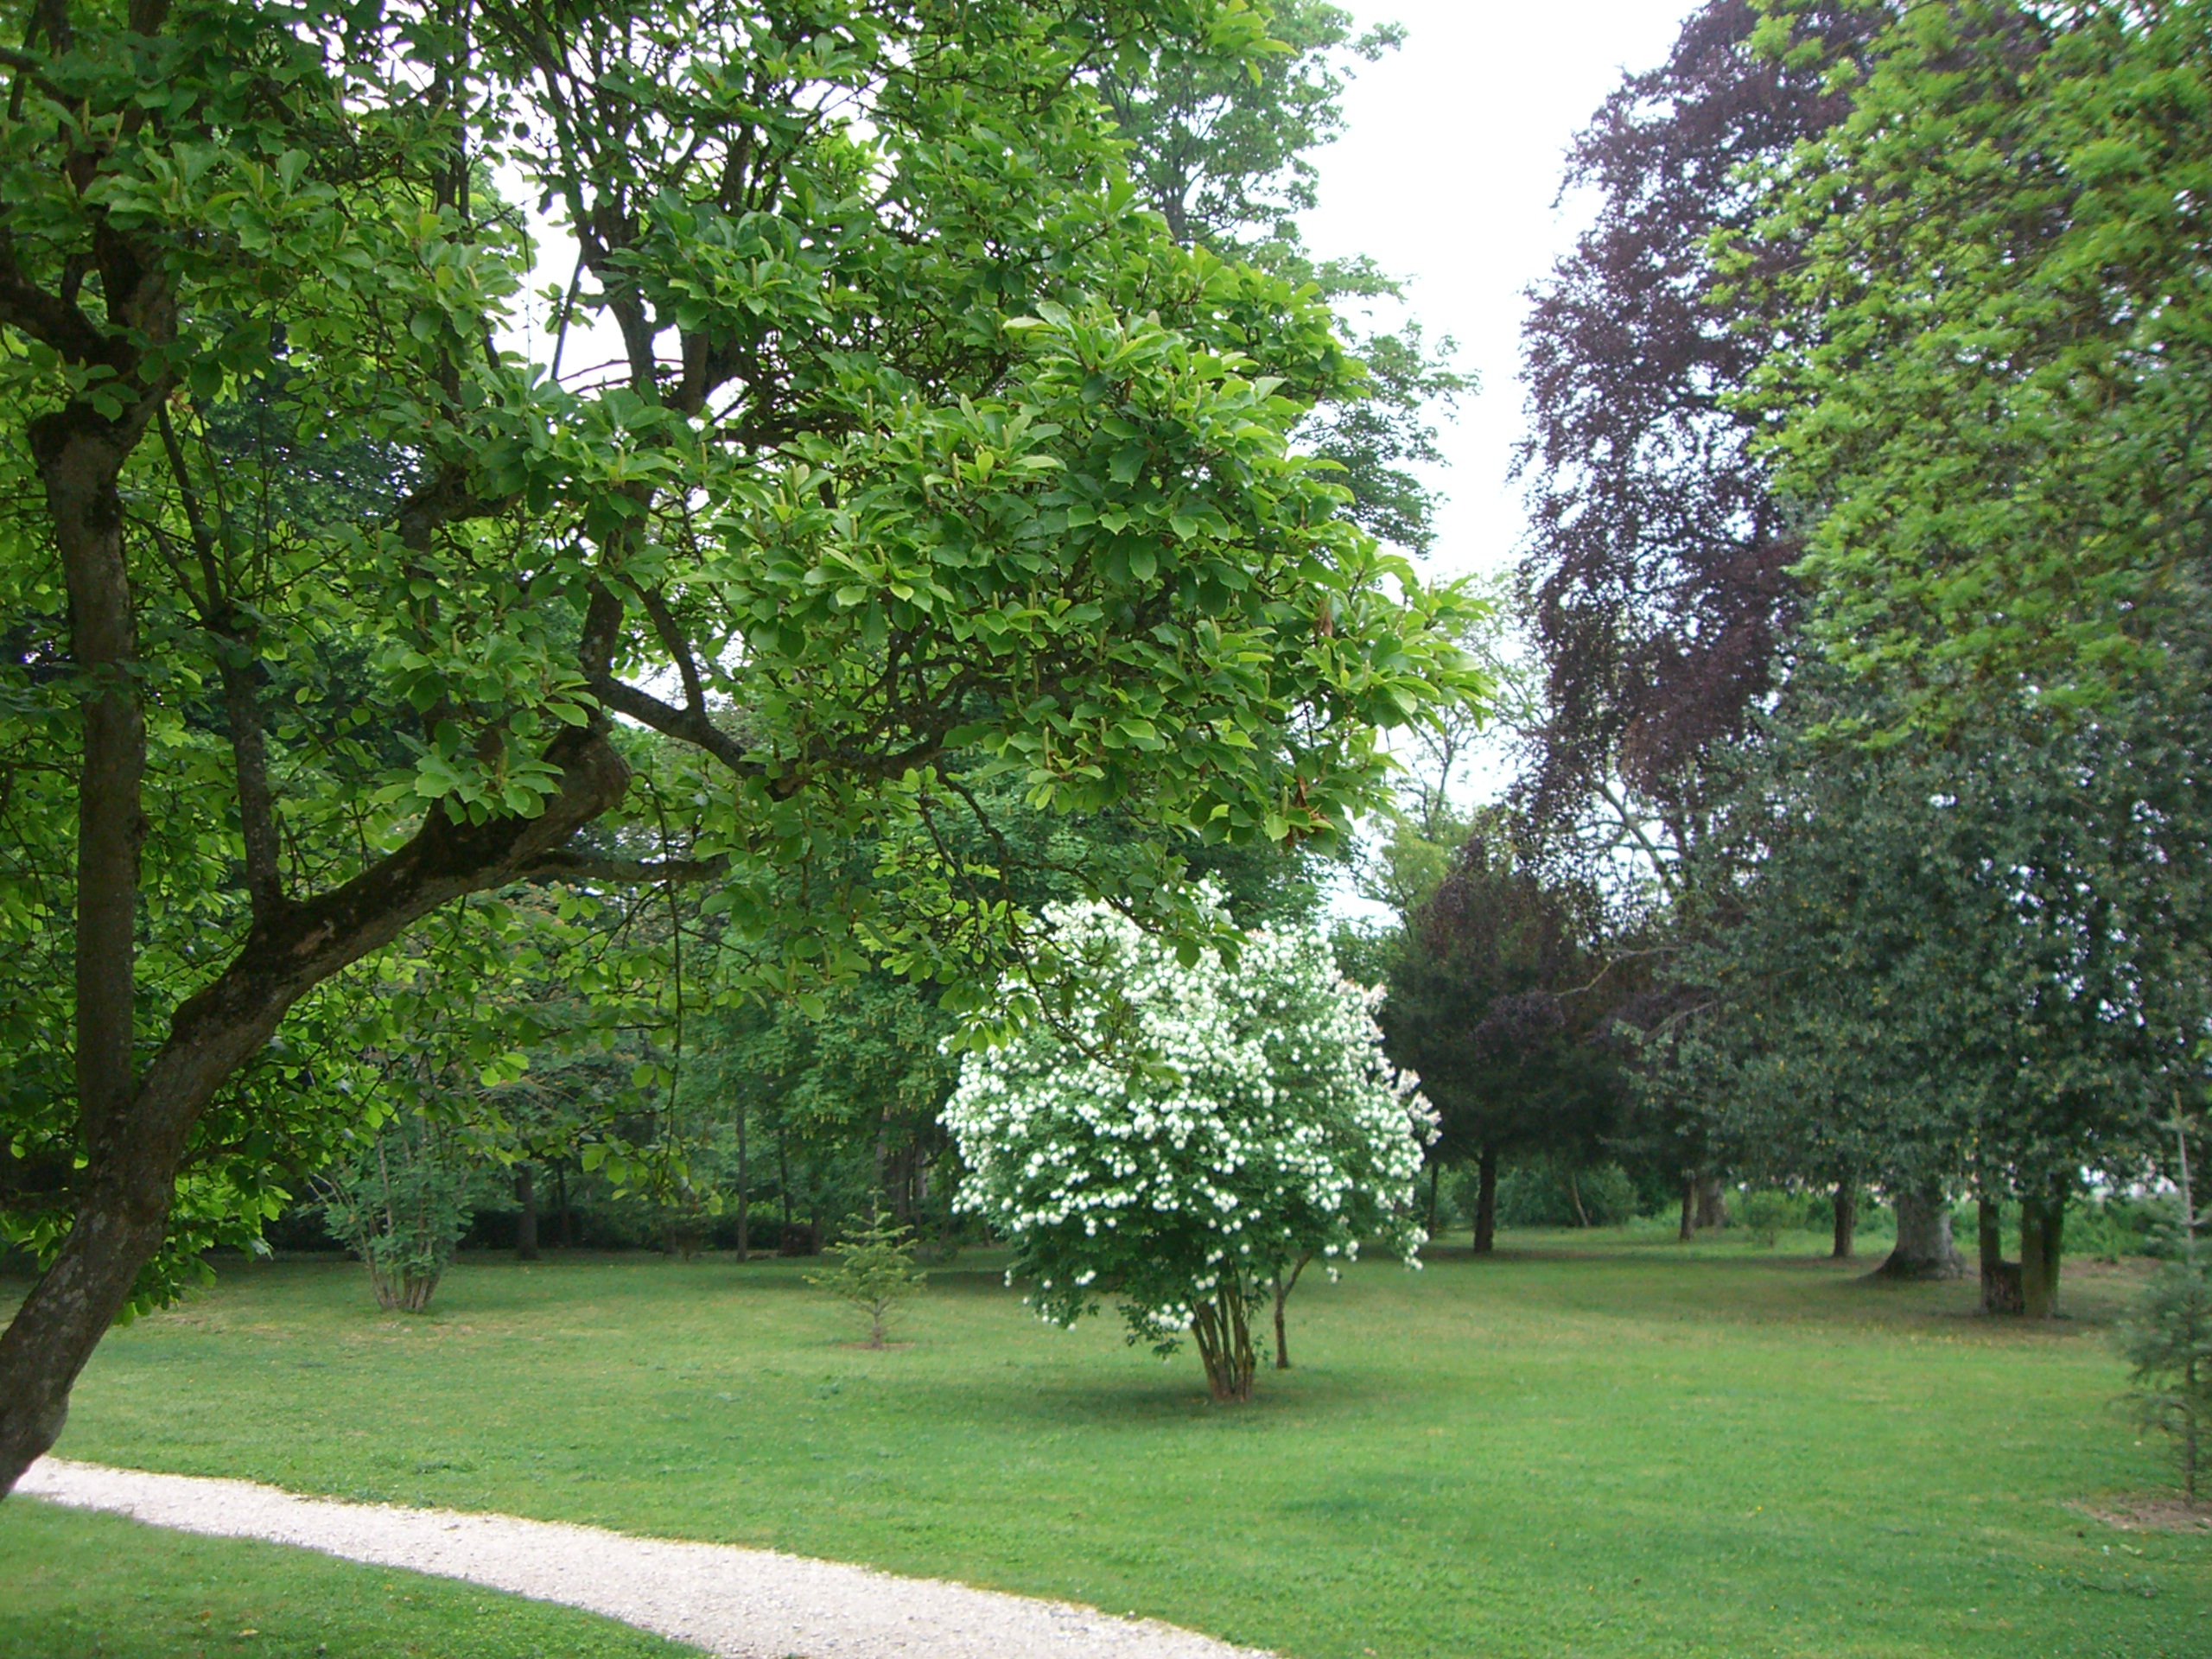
[(1868, 580), (348, 591), (1991, 374)]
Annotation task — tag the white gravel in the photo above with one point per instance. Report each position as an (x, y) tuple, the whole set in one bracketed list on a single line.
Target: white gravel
[(744, 1604)]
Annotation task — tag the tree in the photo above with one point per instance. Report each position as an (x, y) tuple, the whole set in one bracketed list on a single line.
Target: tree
[(1497, 1000), (1944, 966), (401, 1205), (922, 441), (1659, 552), (2167, 1338), (1987, 375), (1185, 1132), (875, 1273), (1224, 150)]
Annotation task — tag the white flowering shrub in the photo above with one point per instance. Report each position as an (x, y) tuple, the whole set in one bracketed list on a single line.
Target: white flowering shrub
[(1182, 1134)]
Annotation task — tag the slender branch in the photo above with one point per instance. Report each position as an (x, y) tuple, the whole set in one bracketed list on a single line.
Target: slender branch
[(673, 641), (564, 866), (691, 726), (265, 879)]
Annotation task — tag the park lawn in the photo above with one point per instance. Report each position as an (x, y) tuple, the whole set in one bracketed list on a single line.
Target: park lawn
[(95, 1586), (1604, 1445)]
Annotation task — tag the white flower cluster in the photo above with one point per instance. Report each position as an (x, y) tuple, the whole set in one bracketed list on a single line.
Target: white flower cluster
[(1181, 1122)]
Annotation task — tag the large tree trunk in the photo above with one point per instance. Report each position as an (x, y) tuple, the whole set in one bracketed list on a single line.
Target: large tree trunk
[(2043, 1231), (1923, 1248), (526, 1221), (1688, 1229), (1847, 1220), (80, 457), (1711, 1203), (1486, 1202), (122, 1195)]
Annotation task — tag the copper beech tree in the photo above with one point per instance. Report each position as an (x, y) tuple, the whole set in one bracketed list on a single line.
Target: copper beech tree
[(341, 581)]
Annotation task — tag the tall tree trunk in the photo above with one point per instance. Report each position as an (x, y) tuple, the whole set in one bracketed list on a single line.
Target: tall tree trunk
[(1688, 1229), (125, 1189), (1486, 1201), (1923, 1248), (79, 473), (2043, 1231), (2001, 1279), (1847, 1219), (567, 1213), (744, 1195), (526, 1223)]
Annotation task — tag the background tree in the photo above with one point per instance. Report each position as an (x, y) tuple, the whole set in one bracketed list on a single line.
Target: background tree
[(1225, 151), (1974, 968), (1495, 1001), (1658, 560), (909, 482)]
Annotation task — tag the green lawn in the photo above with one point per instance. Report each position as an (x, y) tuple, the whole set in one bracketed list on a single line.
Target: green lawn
[(1609, 1449), (93, 1586)]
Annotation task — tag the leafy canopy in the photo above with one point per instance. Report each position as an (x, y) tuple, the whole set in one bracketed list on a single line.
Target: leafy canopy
[(1989, 374), (923, 440)]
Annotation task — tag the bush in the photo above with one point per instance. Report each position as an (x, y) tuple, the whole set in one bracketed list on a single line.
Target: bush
[(1765, 1214), (401, 1203), (1550, 1192), (1186, 1135)]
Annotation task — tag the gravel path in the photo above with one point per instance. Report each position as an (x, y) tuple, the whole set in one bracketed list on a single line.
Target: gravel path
[(743, 1604)]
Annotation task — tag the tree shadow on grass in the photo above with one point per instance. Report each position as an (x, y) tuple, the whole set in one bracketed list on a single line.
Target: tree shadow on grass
[(1176, 1393)]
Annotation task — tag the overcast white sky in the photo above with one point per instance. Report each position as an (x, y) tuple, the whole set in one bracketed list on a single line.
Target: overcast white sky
[(1446, 178)]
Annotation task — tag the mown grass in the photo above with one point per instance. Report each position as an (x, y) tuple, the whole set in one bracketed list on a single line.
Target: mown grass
[(1612, 1446), (93, 1586)]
